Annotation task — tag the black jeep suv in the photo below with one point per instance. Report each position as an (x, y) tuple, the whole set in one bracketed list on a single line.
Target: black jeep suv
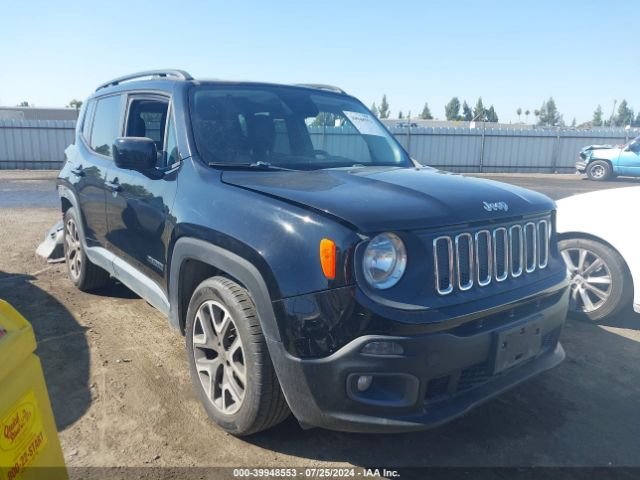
[(312, 266)]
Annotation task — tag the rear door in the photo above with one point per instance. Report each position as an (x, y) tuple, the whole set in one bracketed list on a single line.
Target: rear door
[(100, 128), (138, 208)]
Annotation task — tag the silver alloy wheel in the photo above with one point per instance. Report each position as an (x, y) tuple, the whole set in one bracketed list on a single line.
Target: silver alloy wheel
[(73, 252), (219, 357), (598, 171), (590, 279)]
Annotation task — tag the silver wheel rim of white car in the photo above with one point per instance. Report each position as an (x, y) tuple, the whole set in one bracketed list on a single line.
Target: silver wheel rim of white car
[(590, 279), (219, 357), (73, 251), (597, 171)]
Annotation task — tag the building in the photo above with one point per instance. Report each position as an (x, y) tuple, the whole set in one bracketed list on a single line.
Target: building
[(37, 113)]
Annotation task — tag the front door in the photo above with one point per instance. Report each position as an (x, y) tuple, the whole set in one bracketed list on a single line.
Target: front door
[(629, 159), (138, 207)]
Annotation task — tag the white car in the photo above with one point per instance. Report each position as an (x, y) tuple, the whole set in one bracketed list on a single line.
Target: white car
[(598, 239)]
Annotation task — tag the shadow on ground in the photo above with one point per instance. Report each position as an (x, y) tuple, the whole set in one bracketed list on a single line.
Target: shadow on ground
[(582, 413), (62, 346)]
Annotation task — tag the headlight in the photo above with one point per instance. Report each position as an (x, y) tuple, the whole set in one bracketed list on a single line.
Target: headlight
[(384, 261)]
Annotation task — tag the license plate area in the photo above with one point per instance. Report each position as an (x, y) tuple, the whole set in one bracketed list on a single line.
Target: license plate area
[(516, 344)]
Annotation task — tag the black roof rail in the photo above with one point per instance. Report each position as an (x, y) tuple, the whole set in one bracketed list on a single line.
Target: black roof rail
[(178, 74), (322, 86)]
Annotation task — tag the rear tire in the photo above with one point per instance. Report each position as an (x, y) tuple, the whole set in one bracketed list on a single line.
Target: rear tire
[(228, 359), (85, 275), (599, 171), (601, 285)]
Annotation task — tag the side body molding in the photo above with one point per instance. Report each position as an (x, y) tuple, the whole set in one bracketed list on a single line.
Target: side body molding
[(232, 264)]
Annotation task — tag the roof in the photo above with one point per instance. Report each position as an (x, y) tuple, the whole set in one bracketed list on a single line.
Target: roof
[(150, 78)]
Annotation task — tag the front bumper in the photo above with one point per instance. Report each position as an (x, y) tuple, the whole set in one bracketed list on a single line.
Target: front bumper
[(581, 166), (440, 375)]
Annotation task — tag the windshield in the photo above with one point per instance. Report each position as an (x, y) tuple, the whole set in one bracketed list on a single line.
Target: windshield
[(288, 127)]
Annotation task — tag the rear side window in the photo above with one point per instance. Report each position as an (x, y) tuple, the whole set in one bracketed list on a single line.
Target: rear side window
[(88, 119), (106, 124)]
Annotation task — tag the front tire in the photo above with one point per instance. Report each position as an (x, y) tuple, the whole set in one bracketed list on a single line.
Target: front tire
[(601, 285), (228, 359), (599, 171), (85, 275)]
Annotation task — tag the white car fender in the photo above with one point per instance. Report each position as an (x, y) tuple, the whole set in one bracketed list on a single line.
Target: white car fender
[(610, 216)]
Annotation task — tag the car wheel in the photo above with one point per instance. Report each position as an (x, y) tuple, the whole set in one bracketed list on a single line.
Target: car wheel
[(228, 359), (85, 275), (600, 281), (599, 170)]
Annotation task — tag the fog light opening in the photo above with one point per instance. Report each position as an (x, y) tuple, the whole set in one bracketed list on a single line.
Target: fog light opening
[(364, 382), (383, 348)]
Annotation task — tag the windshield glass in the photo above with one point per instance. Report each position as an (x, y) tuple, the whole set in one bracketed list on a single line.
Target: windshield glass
[(288, 127)]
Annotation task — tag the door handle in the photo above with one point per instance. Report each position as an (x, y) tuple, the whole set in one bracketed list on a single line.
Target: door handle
[(78, 172), (113, 186)]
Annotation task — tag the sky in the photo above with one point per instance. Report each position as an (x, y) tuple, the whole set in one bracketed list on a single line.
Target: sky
[(512, 53)]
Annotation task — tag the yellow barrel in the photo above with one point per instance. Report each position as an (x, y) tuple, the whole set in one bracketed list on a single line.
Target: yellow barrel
[(29, 445)]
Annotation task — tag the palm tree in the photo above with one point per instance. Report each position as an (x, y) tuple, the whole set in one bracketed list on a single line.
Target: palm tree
[(519, 112), (526, 115)]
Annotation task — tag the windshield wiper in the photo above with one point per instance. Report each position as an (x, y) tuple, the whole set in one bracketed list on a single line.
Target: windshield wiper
[(250, 166)]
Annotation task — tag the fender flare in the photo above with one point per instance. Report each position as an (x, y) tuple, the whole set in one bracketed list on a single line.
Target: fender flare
[(239, 268), (69, 194)]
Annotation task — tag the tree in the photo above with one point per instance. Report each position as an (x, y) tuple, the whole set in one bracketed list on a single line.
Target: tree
[(23, 103), (492, 116), (519, 112), (75, 104), (573, 122), (479, 112), (597, 117), (549, 115), (383, 111), (636, 123), (374, 109), (452, 109), (624, 116), (400, 117), (467, 114), (426, 113)]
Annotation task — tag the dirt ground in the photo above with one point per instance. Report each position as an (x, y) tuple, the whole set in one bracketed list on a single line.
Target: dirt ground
[(121, 393)]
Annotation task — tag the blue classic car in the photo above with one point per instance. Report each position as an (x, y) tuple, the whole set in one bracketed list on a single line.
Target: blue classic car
[(603, 162)]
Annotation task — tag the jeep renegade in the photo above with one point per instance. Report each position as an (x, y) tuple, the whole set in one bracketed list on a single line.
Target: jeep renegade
[(312, 266)]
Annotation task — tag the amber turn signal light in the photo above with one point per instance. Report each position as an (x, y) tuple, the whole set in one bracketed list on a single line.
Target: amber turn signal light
[(328, 258)]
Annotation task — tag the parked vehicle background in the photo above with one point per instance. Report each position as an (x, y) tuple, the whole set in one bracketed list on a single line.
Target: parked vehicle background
[(603, 162), (599, 243)]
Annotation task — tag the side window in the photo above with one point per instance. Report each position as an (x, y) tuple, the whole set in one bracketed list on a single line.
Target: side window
[(147, 118), (106, 124), (87, 119), (171, 155)]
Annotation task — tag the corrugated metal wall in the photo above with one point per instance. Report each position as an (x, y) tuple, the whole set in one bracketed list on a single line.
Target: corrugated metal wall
[(502, 150), (40, 144), (34, 144)]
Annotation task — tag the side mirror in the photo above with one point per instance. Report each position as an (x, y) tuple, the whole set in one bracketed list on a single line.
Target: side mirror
[(135, 153)]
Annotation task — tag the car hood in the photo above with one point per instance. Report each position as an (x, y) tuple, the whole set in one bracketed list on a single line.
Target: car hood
[(604, 153), (390, 198)]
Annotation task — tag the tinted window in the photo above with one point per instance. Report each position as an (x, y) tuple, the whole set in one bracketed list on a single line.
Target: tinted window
[(289, 127), (106, 124), (172, 155), (87, 120)]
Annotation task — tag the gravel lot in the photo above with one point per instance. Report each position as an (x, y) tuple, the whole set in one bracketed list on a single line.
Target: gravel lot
[(121, 392)]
